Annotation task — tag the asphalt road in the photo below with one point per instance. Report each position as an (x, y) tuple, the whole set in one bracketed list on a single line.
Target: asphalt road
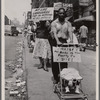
[(39, 81), (10, 47)]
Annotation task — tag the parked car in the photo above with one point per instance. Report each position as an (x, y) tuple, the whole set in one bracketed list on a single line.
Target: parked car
[(8, 30), (11, 30), (14, 31)]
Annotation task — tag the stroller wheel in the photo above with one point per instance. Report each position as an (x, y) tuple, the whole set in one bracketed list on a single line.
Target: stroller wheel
[(85, 98), (84, 49), (61, 99)]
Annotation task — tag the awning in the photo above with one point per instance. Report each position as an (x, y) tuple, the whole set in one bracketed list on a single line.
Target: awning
[(88, 18)]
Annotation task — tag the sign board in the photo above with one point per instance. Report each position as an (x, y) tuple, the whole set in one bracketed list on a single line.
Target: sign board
[(59, 5), (66, 54), (42, 14), (67, 6), (83, 2)]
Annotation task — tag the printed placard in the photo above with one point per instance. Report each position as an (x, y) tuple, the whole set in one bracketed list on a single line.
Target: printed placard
[(66, 54)]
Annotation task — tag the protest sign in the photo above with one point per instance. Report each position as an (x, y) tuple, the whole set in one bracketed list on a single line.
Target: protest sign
[(66, 54), (42, 14)]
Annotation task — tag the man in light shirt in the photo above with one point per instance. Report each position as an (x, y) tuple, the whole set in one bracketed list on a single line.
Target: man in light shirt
[(61, 29), (31, 33), (83, 35)]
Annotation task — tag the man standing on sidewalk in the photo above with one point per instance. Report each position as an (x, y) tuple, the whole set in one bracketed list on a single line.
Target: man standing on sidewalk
[(83, 35), (61, 29), (29, 34)]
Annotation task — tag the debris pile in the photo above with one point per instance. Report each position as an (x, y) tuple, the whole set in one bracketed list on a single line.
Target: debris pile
[(16, 84)]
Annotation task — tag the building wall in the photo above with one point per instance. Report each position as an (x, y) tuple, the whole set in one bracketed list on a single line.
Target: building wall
[(49, 3), (88, 10), (6, 20), (37, 3)]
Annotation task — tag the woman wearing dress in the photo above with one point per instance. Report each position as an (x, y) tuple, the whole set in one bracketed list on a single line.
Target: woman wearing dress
[(42, 47)]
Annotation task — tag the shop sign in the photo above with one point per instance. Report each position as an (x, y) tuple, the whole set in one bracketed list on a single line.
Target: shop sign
[(90, 2), (67, 6), (89, 8), (66, 54), (59, 5), (83, 2), (42, 14)]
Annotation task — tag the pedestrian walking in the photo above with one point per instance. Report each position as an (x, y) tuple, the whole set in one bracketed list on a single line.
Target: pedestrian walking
[(25, 31), (33, 29), (61, 29), (42, 47), (83, 35), (29, 34)]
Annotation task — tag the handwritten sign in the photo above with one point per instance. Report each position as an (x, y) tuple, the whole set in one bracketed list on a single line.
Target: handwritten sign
[(42, 14), (66, 54)]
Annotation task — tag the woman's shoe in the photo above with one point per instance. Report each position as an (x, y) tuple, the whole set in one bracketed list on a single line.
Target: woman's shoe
[(40, 67), (45, 65), (46, 69)]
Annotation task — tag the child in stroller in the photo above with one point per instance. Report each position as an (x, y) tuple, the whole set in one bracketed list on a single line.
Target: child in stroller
[(71, 80)]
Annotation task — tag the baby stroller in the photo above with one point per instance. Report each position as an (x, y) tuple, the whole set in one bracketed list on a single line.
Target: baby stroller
[(69, 86)]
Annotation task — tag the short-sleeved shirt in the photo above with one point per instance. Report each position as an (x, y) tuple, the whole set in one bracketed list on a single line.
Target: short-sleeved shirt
[(83, 30), (62, 30), (29, 29)]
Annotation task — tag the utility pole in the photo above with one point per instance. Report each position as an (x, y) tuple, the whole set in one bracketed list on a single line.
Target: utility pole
[(24, 14), (42, 4), (31, 9)]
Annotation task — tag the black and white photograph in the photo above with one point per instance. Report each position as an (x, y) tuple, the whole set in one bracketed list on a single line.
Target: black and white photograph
[(50, 50)]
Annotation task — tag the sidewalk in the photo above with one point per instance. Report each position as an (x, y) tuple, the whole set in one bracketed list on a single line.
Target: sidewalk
[(40, 86)]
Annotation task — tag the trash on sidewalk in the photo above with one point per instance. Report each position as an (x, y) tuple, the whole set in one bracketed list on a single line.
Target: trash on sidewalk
[(20, 59), (13, 92), (17, 84), (21, 83)]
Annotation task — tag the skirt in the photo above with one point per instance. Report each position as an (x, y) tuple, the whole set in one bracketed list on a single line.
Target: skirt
[(42, 49)]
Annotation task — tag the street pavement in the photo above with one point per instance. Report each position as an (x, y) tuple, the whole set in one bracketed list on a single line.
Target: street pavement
[(40, 86), (39, 83)]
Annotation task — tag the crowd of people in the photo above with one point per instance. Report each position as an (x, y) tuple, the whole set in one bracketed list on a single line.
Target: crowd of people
[(46, 34)]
